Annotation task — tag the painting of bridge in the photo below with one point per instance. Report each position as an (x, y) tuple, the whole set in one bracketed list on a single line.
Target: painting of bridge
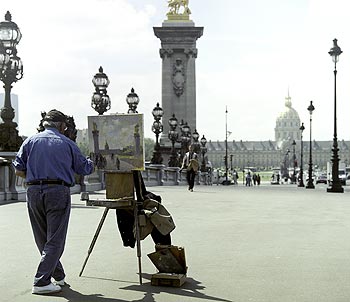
[(116, 141)]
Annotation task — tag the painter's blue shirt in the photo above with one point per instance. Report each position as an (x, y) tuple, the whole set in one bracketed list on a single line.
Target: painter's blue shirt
[(51, 155)]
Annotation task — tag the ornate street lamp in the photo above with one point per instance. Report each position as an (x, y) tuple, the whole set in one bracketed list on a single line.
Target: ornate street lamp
[(204, 150), (133, 100), (294, 162), (173, 122), (173, 136), (310, 182), (185, 138), (301, 173), (335, 186), (157, 128), (226, 181), (100, 100), (195, 142), (11, 71)]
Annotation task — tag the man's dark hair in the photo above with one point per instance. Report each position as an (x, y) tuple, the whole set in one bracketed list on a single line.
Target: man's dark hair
[(55, 116)]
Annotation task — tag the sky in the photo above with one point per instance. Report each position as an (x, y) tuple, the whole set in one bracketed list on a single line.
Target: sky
[(251, 54)]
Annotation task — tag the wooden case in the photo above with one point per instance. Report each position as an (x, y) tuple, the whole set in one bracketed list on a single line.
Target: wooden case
[(171, 263)]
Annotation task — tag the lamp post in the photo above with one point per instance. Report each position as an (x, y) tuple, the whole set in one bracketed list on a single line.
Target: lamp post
[(335, 186), (157, 128), (285, 174), (173, 136), (310, 182), (226, 181), (294, 162), (133, 100), (100, 100), (301, 173), (204, 150), (185, 138), (11, 71), (195, 142)]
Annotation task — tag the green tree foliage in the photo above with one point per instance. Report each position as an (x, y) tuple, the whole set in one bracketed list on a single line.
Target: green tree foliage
[(149, 147), (84, 148)]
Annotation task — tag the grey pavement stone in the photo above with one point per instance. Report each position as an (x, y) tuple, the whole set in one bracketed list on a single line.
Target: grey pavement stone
[(265, 244)]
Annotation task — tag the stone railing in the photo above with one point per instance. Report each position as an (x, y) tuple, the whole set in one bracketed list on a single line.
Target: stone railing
[(12, 187), (159, 175)]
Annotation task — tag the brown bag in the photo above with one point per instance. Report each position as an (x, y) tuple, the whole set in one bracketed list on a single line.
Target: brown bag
[(193, 165), (159, 216)]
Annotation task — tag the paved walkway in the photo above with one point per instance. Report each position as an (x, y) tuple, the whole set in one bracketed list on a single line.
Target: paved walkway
[(267, 243)]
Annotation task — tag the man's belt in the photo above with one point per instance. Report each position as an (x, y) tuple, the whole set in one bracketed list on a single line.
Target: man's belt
[(48, 182)]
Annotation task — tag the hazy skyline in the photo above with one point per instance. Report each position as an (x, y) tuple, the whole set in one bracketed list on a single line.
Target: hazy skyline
[(250, 54)]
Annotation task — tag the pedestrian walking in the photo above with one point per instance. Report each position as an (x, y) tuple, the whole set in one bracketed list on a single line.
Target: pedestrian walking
[(258, 179), (248, 179), (254, 179), (190, 163), (48, 161), (235, 177)]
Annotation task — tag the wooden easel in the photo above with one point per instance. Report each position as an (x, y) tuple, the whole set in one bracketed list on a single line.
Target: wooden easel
[(120, 194)]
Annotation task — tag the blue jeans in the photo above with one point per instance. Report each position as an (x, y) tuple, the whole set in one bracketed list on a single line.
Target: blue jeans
[(49, 210)]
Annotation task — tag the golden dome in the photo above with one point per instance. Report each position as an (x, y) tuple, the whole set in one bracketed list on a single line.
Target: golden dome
[(289, 113)]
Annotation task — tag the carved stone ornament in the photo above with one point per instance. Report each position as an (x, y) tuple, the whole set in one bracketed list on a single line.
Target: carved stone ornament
[(179, 77), (166, 52), (191, 52)]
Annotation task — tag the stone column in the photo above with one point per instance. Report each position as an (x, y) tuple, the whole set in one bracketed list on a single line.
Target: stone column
[(178, 52)]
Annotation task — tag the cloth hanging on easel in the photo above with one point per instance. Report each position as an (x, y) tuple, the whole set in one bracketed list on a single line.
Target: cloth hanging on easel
[(125, 221)]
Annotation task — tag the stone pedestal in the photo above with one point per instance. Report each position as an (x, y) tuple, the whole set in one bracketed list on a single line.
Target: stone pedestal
[(94, 181), (178, 52), (11, 186)]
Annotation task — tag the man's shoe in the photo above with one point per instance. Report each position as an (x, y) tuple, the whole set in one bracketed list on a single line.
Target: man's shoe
[(47, 289), (60, 282)]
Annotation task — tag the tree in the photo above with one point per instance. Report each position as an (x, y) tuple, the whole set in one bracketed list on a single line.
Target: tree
[(84, 148), (149, 147)]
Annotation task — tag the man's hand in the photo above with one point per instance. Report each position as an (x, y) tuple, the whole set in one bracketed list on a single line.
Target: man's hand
[(21, 173)]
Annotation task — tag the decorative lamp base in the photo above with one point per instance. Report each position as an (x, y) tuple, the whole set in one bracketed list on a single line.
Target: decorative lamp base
[(310, 187), (335, 190)]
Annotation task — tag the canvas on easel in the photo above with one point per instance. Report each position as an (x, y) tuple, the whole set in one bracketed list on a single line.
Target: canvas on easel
[(117, 142)]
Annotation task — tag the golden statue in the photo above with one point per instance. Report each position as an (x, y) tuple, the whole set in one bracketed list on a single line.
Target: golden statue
[(175, 5)]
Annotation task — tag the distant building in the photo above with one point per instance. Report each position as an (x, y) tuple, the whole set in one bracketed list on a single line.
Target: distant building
[(266, 154)]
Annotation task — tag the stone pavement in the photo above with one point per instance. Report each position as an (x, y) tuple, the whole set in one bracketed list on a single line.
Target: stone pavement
[(266, 244)]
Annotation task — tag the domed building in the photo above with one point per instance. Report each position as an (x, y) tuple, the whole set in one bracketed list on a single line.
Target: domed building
[(266, 154), (287, 124)]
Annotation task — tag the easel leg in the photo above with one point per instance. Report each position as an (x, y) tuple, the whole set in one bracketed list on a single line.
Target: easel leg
[(138, 241), (137, 208), (94, 239)]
